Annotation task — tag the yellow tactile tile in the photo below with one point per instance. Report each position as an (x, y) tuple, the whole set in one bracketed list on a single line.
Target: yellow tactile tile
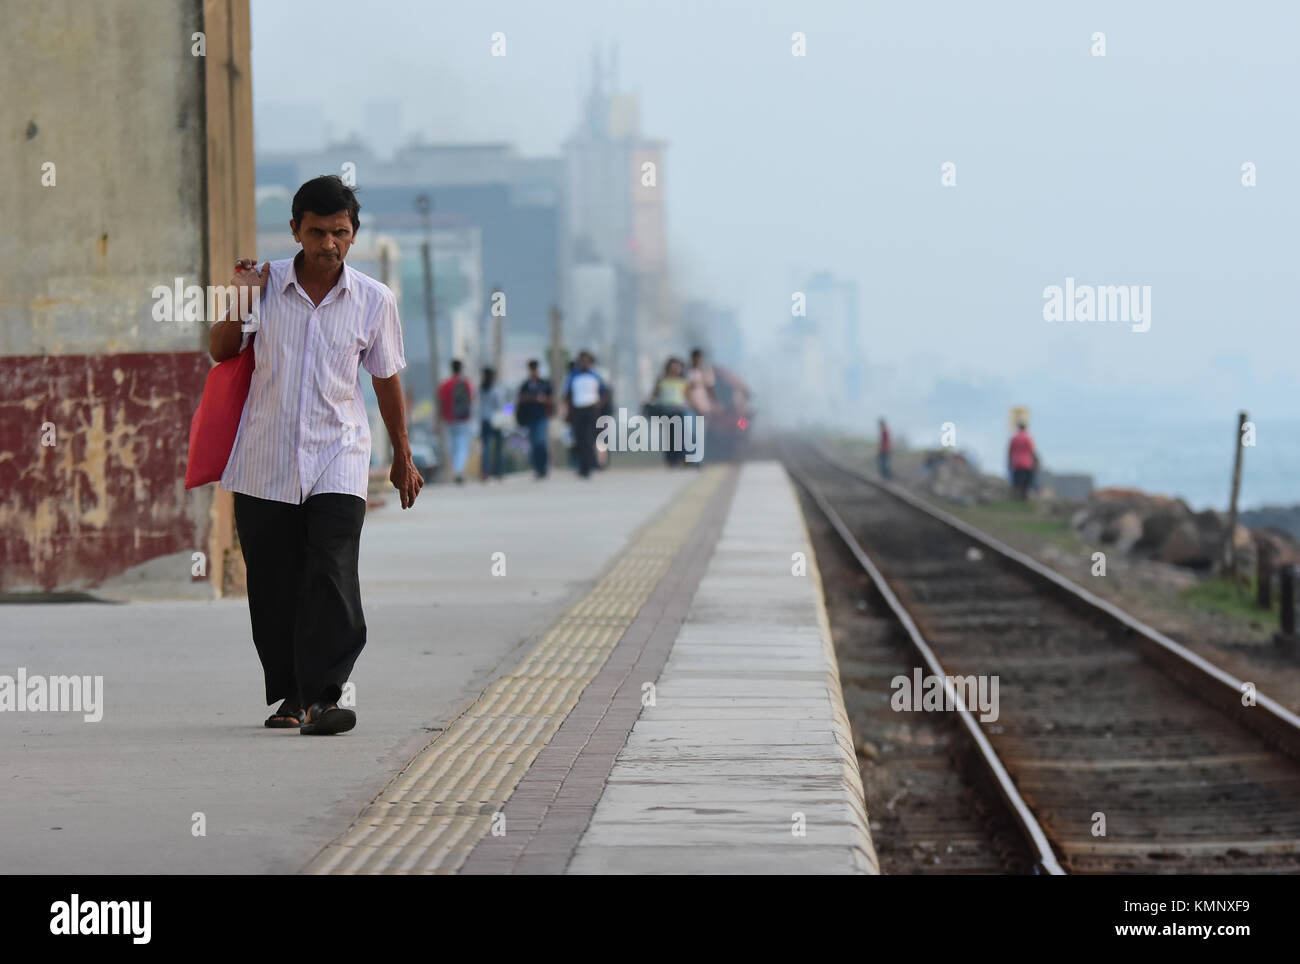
[(431, 815)]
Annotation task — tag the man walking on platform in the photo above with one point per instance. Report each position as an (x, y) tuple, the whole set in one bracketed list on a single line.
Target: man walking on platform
[(455, 408), (299, 468), (532, 411), (586, 395)]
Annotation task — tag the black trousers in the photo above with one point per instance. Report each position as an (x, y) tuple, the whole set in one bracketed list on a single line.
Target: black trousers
[(304, 596), (584, 437)]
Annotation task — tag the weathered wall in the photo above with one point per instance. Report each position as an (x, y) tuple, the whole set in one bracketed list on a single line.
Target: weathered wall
[(112, 96)]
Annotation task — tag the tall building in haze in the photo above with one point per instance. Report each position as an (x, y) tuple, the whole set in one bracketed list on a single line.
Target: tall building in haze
[(615, 216)]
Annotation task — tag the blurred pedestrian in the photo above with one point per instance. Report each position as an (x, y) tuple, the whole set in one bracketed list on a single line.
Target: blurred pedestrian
[(701, 395), (669, 400), (606, 408), (491, 410), (533, 409), (1022, 461), (883, 449), (586, 395), (456, 407)]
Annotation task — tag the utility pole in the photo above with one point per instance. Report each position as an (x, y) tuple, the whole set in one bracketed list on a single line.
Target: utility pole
[(1230, 546), (557, 356), (423, 205), (556, 364)]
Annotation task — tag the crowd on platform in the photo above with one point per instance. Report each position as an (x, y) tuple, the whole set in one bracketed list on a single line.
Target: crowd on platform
[(584, 396)]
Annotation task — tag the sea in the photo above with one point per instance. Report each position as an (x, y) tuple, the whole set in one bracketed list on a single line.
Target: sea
[(1191, 460)]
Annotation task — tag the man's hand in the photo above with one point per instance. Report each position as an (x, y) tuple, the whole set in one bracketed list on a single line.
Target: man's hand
[(406, 479), (247, 275), (226, 335)]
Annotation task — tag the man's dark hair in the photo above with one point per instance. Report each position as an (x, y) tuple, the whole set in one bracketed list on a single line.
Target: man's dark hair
[(696, 351), (534, 363), (326, 195), (455, 366)]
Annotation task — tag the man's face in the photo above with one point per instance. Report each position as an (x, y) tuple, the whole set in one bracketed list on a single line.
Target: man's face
[(584, 362), (325, 239)]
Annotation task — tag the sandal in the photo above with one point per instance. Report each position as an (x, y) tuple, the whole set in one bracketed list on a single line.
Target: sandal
[(324, 719), (285, 718)]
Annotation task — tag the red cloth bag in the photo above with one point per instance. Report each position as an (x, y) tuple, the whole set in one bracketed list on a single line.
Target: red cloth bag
[(216, 421)]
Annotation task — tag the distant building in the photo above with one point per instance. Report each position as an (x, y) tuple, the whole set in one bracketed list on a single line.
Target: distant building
[(615, 215), (585, 231), (833, 308), (594, 308), (513, 204), (798, 392)]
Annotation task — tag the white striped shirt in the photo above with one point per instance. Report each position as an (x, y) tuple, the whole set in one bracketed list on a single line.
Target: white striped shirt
[(304, 430)]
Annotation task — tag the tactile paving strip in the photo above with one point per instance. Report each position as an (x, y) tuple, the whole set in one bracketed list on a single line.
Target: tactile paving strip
[(433, 813)]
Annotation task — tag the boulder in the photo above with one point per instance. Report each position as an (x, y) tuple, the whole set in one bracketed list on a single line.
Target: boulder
[(1160, 523), (1124, 531), (1183, 545), (1096, 521)]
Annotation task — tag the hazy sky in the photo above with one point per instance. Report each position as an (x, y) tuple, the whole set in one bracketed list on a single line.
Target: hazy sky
[(1123, 169)]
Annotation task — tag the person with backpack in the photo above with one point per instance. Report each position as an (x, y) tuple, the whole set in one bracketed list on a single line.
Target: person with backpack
[(532, 410), (456, 407)]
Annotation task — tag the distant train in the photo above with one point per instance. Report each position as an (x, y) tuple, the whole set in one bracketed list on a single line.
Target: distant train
[(728, 427)]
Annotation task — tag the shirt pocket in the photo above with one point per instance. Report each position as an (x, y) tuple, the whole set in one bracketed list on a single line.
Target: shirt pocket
[(338, 350)]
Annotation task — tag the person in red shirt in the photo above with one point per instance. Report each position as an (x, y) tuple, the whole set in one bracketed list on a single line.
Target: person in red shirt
[(883, 450), (456, 406), (1022, 461)]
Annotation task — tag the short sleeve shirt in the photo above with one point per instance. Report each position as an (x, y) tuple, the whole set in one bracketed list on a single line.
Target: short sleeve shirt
[(305, 430), (585, 388)]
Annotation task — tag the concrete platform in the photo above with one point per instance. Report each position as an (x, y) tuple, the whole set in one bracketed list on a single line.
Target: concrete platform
[(506, 721), (745, 761), (182, 728)]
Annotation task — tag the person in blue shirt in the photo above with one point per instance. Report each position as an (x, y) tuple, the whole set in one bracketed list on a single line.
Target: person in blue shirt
[(585, 393)]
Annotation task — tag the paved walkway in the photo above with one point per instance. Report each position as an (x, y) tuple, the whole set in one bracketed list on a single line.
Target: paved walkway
[(182, 734), (647, 687)]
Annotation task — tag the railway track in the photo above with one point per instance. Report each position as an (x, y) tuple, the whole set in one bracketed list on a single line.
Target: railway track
[(1114, 749)]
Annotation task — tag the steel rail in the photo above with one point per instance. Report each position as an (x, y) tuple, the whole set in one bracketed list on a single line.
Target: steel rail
[(1265, 716), (1045, 858)]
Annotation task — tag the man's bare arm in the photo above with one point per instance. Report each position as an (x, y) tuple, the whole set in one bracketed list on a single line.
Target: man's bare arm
[(225, 336), (405, 477)]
